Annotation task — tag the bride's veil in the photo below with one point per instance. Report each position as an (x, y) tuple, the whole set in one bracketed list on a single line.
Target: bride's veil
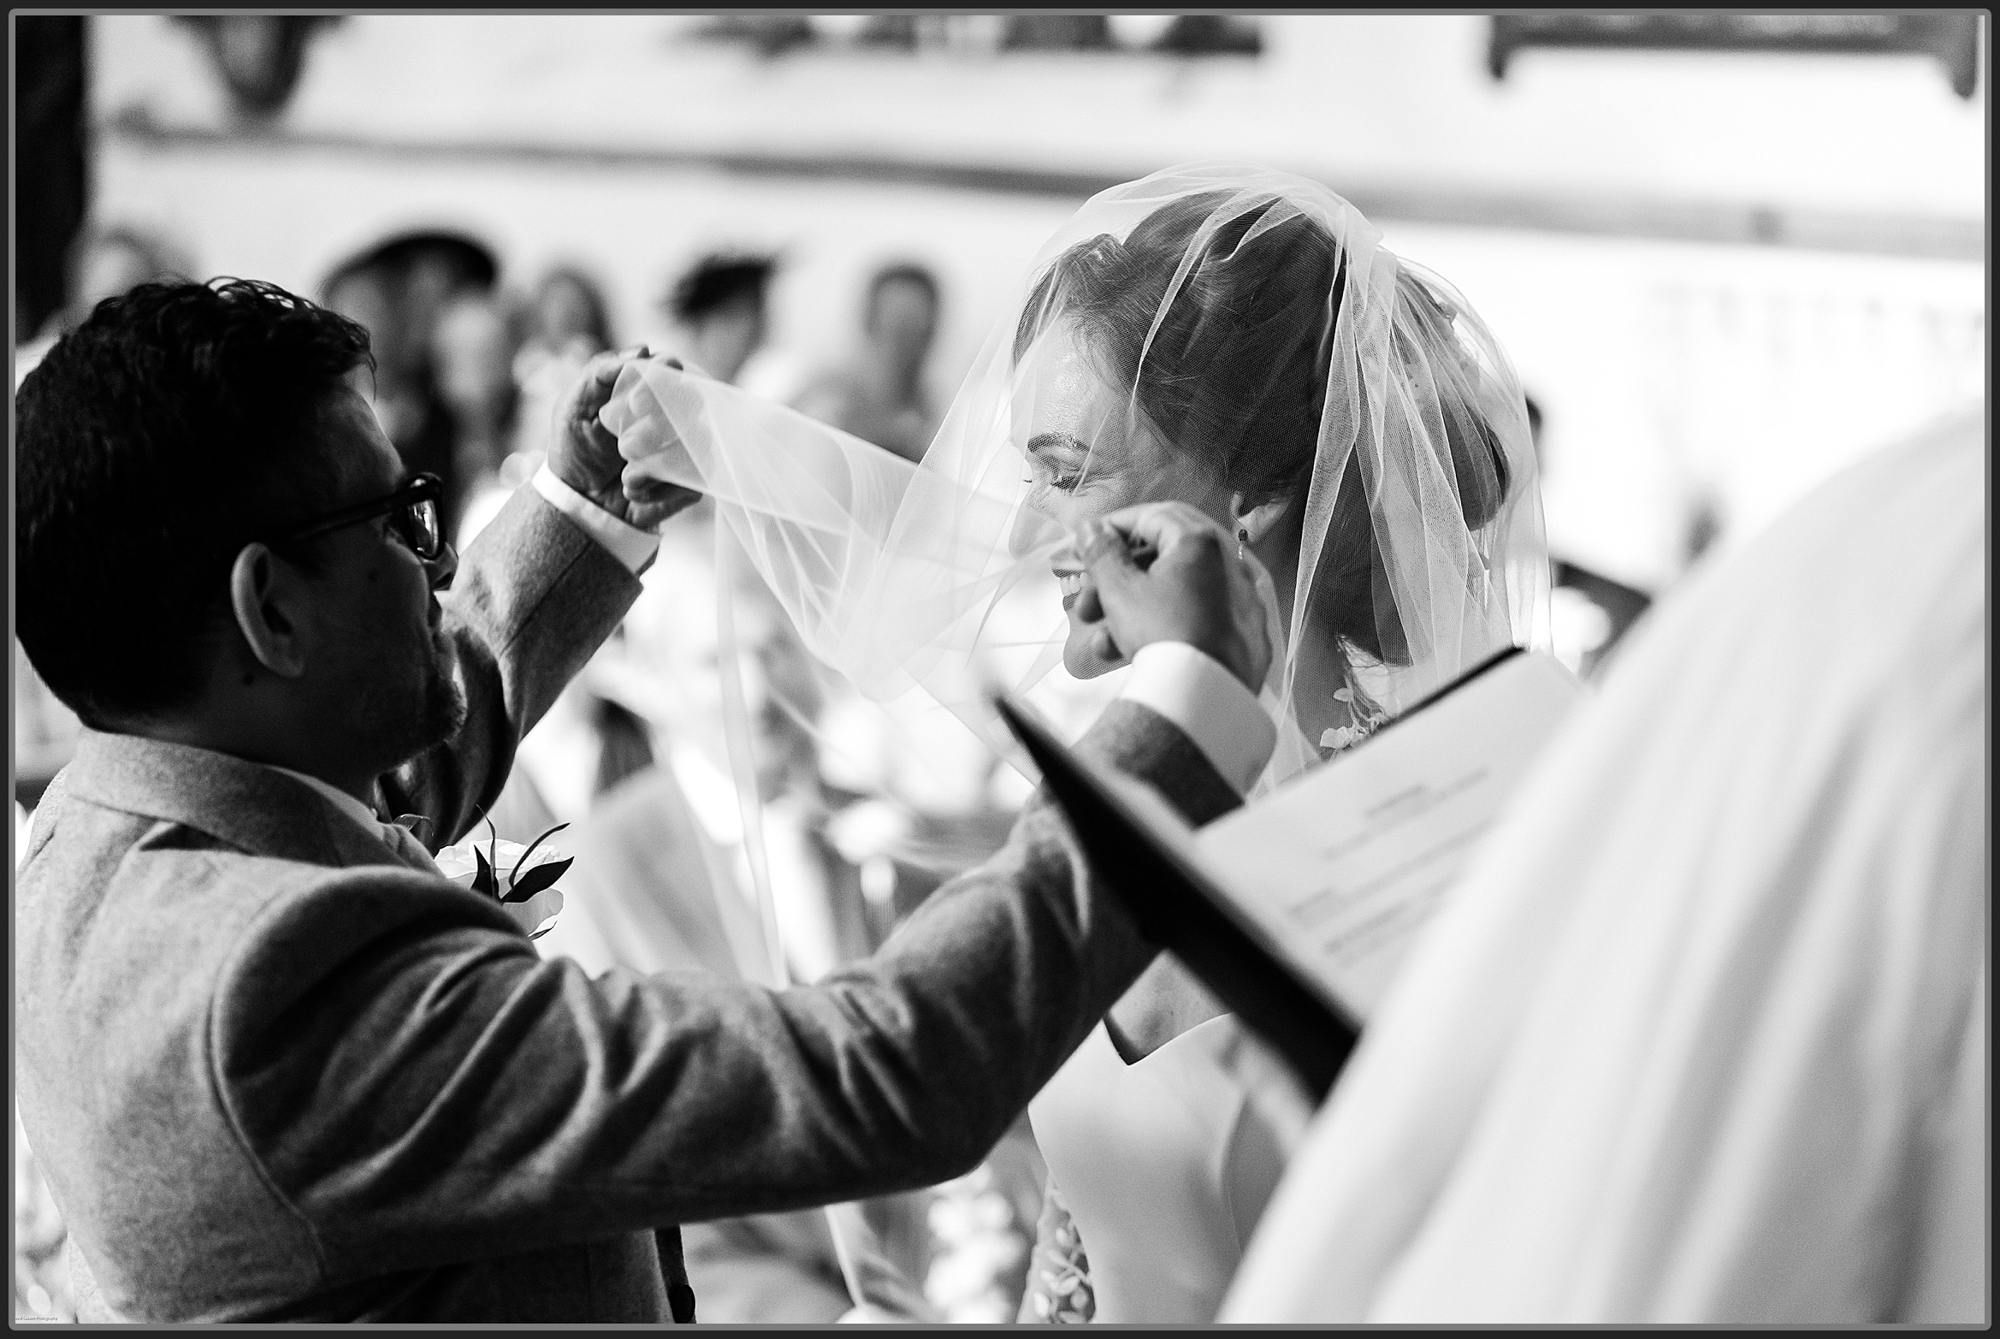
[(1213, 331), (1225, 335)]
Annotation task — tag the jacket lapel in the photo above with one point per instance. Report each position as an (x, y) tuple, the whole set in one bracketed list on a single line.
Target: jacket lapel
[(249, 806)]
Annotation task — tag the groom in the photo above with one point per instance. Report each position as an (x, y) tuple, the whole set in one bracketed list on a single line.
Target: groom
[(274, 1066)]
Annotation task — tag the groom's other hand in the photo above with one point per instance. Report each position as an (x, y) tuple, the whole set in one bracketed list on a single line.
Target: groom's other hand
[(584, 454), (1195, 589)]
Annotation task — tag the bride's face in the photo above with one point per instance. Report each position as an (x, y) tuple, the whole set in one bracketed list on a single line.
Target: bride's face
[(1089, 452)]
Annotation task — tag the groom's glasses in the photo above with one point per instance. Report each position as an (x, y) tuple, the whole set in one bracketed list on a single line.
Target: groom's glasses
[(412, 511)]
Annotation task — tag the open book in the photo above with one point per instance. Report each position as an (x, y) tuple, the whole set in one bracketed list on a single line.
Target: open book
[(1297, 910)]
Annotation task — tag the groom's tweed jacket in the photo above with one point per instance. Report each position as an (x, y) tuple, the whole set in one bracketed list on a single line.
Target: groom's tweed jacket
[(273, 1074)]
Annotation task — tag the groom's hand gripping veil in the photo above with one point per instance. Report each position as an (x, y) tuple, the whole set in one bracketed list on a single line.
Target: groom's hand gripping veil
[(583, 453)]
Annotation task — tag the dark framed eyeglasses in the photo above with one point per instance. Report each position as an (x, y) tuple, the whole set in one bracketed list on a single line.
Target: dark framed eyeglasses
[(412, 511)]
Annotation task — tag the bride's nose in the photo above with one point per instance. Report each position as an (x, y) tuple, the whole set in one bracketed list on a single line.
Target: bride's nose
[(1032, 530)]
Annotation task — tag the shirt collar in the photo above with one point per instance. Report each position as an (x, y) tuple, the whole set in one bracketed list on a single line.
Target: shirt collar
[(338, 798)]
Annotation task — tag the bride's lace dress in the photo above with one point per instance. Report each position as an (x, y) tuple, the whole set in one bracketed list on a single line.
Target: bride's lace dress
[(1159, 1169), (1163, 1167)]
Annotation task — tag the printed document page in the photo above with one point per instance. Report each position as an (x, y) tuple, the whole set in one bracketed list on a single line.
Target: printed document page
[(1344, 865)]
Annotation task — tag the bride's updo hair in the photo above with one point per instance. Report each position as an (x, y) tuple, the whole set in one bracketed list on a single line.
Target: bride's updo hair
[(1234, 373)]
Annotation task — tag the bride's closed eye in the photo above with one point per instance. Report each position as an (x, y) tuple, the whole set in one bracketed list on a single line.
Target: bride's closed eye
[(1062, 482), (1056, 460)]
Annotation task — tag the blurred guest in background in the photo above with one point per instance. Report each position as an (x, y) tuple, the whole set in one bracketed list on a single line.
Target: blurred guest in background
[(668, 669), (663, 880), (567, 323), (369, 291), (116, 259), (398, 290), (880, 395), (473, 351), (104, 262), (587, 743), (364, 291), (435, 267), (569, 315), (719, 307), (1588, 611)]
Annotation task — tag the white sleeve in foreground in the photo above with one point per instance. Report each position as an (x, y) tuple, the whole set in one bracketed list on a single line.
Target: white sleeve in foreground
[(627, 543), (1209, 704)]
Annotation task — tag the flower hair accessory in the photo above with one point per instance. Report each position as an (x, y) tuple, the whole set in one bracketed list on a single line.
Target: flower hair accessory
[(1364, 718)]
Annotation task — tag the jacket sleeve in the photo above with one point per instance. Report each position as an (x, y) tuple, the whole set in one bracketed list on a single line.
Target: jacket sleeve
[(534, 598), (422, 1088)]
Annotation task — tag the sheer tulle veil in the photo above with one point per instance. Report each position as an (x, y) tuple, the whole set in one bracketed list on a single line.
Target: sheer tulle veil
[(1225, 335), (1210, 331)]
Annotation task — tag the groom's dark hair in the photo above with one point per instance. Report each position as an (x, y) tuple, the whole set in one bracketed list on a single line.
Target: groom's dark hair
[(174, 425)]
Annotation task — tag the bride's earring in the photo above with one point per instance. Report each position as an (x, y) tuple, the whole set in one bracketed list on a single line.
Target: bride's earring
[(1242, 538)]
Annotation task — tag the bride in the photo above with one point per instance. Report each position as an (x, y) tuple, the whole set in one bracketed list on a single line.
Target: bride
[(1233, 339)]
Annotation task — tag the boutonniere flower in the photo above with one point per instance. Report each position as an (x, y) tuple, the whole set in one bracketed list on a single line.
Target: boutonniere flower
[(522, 878)]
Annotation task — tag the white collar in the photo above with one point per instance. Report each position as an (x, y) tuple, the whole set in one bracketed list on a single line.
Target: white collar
[(338, 798)]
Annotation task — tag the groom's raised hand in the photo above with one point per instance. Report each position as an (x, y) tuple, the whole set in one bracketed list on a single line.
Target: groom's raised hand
[(584, 454), (1165, 572)]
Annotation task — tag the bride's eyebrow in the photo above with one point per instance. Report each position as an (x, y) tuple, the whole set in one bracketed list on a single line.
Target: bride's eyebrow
[(1044, 443)]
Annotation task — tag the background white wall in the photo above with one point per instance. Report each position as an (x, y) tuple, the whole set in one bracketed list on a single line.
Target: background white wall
[(1402, 98), (1668, 368)]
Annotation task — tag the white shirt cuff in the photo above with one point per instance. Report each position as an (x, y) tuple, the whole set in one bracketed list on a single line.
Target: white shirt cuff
[(1209, 704), (627, 543)]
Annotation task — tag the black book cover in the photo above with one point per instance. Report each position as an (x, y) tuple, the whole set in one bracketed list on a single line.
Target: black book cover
[(1179, 908)]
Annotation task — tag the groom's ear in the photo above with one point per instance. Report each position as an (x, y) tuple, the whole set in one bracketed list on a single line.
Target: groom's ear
[(267, 599)]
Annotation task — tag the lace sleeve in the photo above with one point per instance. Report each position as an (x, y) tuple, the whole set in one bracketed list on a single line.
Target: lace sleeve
[(1058, 1272)]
